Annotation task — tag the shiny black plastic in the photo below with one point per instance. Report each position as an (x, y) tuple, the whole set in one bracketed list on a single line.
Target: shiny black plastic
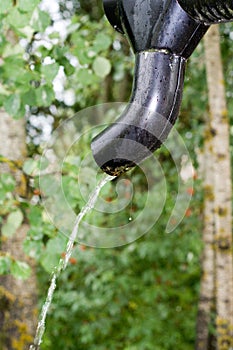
[(209, 11), (111, 9), (160, 24), (148, 118), (162, 36)]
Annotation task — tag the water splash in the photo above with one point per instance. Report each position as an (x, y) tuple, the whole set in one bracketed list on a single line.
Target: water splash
[(64, 261)]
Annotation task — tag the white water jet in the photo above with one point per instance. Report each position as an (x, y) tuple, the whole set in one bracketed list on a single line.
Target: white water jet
[(64, 261)]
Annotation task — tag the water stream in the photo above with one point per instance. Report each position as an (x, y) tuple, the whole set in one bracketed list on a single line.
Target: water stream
[(64, 261)]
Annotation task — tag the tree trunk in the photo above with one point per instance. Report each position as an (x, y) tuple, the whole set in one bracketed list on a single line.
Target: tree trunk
[(222, 192), (206, 301), (17, 298)]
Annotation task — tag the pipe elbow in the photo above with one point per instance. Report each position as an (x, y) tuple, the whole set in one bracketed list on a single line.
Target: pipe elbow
[(148, 118), (162, 36)]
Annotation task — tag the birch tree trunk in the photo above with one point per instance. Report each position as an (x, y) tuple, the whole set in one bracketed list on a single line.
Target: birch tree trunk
[(222, 191), (18, 298), (206, 301)]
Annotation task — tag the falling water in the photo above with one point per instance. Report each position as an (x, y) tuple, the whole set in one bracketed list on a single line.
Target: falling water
[(64, 261)]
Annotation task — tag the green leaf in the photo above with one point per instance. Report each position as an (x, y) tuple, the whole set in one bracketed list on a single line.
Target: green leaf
[(20, 270), (82, 56), (44, 96), (29, 98), (36, 233), (48, 186), (26, 32), (68, 68), (14, 221), (33, 248), (17, 19), (7, 182), (40, 20), (31, 167), (54, 35), (34, 216), (15, 75), (5, 263), (101, 67), (11, 50), (78, 41), (86, 77), (27, 5), (52, 253), (5, 5), (102, 42), (20, 113), (50, 71), (12, 104)]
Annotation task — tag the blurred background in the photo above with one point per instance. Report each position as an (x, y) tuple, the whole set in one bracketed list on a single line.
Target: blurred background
[(57, 58)]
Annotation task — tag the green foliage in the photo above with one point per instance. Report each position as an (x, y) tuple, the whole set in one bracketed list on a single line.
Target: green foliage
[(53, 253), (40, 20), (143, 295), (5, 6), (12, 104), (13, 222), (5, 263), (31, 167), (7, 185), (28, 5), (18, 269), (101, 67), (50, 71)]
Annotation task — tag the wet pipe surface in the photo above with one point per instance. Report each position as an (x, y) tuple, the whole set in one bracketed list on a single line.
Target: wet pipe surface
[(162, 36)]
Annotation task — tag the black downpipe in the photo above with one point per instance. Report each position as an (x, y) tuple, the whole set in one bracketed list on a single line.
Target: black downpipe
[(111, 8), (148, 118), (209, 11), (162, 36)]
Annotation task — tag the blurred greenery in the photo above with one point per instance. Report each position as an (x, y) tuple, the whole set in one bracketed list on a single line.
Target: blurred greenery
[(140, 296)]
